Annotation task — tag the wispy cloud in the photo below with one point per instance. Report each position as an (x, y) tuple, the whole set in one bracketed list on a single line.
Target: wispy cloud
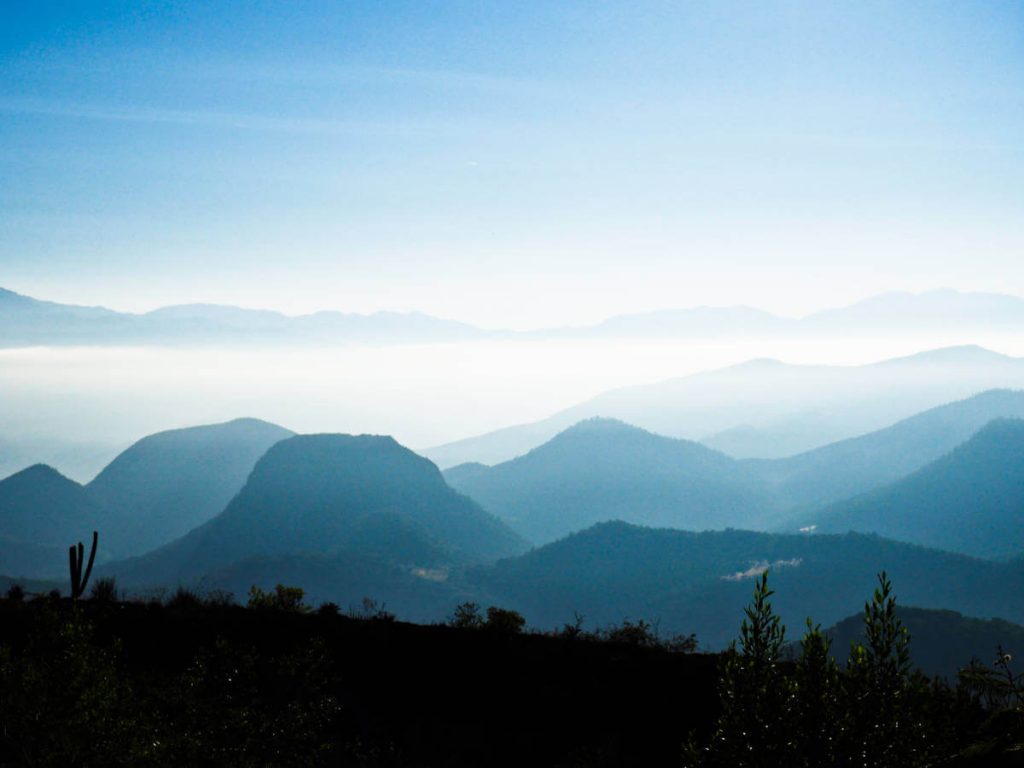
[(227, 120), (760, 566)]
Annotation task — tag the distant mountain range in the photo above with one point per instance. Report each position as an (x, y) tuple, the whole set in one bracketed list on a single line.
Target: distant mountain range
[(27, 322), (31, 322), (766, 408), (917, 481), (947, 480), (351, 516)]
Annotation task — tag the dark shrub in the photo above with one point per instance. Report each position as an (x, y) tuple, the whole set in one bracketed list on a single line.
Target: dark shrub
[(104, 590), (504, 620), (466, 616), (281, 599), (184, 597), (219, 598)]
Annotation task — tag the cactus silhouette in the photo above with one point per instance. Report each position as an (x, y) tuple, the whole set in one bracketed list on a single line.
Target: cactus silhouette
[(76, 557)]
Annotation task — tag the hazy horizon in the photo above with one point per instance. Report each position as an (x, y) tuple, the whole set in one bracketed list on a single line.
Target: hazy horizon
[(934, 291)]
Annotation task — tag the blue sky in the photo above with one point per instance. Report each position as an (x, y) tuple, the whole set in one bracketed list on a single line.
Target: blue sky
[(510, 164)]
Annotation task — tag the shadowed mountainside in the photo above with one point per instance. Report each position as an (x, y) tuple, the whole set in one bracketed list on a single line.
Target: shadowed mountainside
[(970, 500), (854, 466), (329, 493), (700, 582)]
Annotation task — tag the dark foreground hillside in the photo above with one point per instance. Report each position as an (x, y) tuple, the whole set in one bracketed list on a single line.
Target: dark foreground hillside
[(193, 684), (210, 683)]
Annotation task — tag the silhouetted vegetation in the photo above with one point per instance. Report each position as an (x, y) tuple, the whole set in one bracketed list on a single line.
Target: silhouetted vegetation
[(281, 599), (194, 681), (104, 590), (468, 616), (876, 710), (76, 559), (190, 682)]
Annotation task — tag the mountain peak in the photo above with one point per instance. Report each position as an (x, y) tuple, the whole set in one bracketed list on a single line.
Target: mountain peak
[(999, 429), (964, 353), (603, 425), (40, 473), (322, 460)]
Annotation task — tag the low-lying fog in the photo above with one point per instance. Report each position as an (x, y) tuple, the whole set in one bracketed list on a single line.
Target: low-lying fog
[(54, 398)]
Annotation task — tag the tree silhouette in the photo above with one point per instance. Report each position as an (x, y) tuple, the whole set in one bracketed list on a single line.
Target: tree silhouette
[(753, 729)]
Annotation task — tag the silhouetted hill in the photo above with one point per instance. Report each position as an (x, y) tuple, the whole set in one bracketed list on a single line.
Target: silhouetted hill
[(767, 408), (41, 514), (166, 484), (970, 501), (601, 470), (700, 582), (851, 467), (941, 642), (331, 493)]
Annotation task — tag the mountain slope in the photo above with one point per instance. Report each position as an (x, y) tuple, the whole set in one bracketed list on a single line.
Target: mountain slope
[(767, 408), (329, 493), (41, 514), (700, 582), (601, 470), (166, 484), (970, 501), (860, 464)]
